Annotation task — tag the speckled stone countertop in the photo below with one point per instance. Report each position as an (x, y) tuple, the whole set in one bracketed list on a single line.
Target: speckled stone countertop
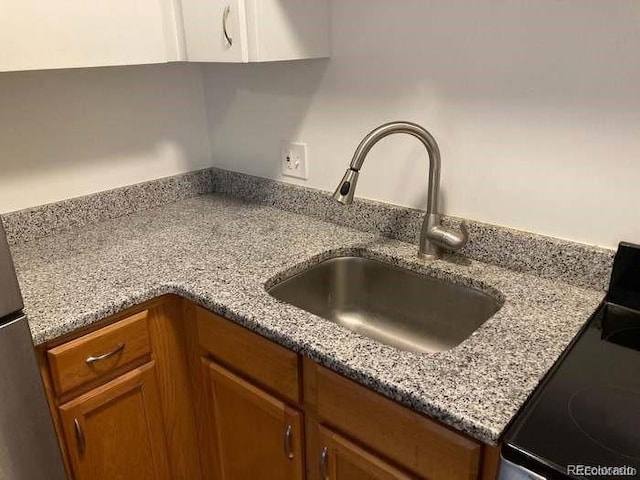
[(221, 252)]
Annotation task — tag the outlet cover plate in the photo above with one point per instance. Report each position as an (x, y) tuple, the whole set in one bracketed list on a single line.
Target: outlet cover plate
[(294, 160)]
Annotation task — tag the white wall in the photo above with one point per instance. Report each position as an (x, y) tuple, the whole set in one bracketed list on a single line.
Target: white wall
[(535, 104), (72, 132)]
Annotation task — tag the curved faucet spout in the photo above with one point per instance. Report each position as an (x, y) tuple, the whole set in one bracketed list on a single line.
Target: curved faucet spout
[(433, 236)]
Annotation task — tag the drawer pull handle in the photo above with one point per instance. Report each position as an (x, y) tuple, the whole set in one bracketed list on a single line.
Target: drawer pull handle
[(323, 464), (287, 442), (225, 17), (91, 360), (79, 436)]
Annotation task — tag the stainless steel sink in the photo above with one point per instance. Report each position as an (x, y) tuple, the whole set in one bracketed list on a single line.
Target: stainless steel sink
[(390, 304)]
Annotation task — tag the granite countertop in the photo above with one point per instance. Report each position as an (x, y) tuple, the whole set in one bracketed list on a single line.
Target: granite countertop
[(220, 252)]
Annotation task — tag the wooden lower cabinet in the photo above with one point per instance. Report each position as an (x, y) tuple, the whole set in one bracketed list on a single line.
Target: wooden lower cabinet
[(416, 443), (115, 432), (342, 460), (257, 436), (170, 391)]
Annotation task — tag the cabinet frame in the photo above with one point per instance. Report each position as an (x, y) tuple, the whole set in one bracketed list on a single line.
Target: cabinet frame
[(172, 341)]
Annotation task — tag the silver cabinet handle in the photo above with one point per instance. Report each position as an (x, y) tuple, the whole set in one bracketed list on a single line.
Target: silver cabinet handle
[(287, 442), (104, 356), (79, 436), (323, 464), (225, 16)]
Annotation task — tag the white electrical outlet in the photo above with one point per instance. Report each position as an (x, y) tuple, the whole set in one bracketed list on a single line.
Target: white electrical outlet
[(294, 160)]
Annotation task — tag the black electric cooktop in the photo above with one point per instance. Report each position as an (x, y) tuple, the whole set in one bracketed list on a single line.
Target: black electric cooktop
[(587, 412)]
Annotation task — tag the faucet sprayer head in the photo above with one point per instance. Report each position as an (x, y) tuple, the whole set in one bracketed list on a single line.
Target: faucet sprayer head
[(344, 192)]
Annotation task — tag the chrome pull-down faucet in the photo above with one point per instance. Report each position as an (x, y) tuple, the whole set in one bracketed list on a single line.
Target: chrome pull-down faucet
[(433, 236)]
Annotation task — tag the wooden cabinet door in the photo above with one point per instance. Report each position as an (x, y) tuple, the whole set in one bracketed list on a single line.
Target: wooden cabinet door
[(115, 432), (342, 460), (257, 436)]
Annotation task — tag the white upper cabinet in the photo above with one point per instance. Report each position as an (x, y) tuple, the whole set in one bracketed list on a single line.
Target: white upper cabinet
[(255, 30), (215, 30), (47, 34)]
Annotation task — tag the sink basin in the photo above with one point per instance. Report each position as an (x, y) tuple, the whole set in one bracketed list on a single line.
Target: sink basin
[(393, 305)]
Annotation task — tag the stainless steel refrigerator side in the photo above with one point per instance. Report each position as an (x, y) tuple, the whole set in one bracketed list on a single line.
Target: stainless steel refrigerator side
[(29, 449), (10, 297)]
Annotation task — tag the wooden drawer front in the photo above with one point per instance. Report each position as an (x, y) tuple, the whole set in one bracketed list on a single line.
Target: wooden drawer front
[(413, 441), (99, 353), (268, 364)]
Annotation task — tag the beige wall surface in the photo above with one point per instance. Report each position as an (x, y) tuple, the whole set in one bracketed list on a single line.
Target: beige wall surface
[(535, 105), (66, 133)]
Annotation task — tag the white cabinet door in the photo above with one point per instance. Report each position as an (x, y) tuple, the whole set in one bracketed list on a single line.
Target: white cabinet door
[(287, 29), (45, 34), (256, 30), (215, 30)]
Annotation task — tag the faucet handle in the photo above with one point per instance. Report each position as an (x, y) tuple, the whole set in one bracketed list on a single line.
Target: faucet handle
[(464, 230), (445, 238)]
